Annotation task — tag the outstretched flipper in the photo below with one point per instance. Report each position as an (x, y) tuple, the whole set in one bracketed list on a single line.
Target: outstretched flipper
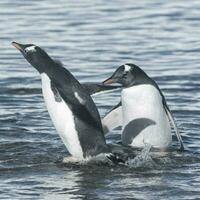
[(113, 119), (93, 88), (171, 119)]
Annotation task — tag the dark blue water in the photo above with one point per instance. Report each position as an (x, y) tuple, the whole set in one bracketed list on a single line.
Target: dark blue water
[(93, 38)]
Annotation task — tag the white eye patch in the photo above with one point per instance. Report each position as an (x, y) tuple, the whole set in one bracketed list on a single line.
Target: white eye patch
[(127, 68), (31, 48)]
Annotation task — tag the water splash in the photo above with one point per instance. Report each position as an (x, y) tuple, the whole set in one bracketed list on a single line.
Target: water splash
[(96, 160), (142, 160)]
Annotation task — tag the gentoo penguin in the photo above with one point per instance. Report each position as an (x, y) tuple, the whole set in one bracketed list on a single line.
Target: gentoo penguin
[(70, 107), (143, 112)]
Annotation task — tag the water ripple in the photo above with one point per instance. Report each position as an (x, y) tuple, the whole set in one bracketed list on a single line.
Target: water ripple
[(93, 38)]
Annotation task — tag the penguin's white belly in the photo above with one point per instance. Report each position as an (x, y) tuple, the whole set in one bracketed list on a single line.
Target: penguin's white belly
[(145, 101), (62, 118)]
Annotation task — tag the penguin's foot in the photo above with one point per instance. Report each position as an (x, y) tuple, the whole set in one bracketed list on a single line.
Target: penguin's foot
[(115, 159)]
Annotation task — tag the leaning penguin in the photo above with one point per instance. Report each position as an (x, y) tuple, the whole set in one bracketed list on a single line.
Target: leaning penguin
[(143, 112), (70, 107)]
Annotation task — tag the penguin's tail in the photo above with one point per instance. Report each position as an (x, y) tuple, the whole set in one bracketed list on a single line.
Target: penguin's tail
[(115, 158)]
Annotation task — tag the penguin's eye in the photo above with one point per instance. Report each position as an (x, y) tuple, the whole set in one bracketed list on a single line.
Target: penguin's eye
[(36, 48), (25, 51)]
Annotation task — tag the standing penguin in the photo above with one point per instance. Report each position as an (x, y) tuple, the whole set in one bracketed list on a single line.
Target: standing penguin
[(145, 115), (70, 107)]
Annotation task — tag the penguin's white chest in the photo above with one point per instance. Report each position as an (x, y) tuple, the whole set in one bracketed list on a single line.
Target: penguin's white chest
[(62, 118), (145, 101)]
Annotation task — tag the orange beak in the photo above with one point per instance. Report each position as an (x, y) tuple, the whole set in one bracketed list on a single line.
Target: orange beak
[(17, 45), (108, 81)]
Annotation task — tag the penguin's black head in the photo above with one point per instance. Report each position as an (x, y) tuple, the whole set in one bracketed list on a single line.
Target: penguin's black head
[(128, 75), (36, 56)]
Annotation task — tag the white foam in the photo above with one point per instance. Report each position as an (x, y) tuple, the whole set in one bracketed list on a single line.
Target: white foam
[(100, 158), (142, 160)]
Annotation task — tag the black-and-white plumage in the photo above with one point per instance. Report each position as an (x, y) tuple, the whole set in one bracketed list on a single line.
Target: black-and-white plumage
[(71, 108), (144, 112)]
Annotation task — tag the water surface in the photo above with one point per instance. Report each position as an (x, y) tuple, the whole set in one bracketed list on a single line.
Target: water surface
[(93, 38)]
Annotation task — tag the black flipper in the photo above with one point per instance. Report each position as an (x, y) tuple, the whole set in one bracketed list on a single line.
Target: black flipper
[(170, 116), (171, 119), (56, 93), (133, 128), (93, 88)]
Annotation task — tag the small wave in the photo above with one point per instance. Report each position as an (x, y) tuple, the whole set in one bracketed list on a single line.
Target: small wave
[(143, 159), (21, 91)]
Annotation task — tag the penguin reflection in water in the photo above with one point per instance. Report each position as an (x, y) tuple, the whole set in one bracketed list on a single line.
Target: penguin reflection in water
[(70, 107), (143, 112)]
